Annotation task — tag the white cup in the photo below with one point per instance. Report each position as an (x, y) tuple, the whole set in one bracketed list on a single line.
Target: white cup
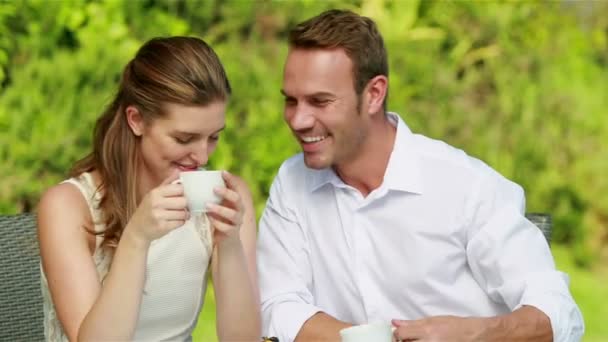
[(373, 332), (198, 188)]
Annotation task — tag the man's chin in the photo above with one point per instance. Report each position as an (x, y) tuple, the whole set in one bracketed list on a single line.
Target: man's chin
[(313, 162)]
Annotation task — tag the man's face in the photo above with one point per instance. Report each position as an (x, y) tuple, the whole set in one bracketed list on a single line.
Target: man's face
[(321, 106)]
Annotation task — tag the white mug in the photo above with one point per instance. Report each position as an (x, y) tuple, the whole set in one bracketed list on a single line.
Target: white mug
[(373, 332), (198, 188)]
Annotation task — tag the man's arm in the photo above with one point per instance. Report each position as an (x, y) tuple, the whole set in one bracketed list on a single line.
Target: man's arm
[(321, 327), (284, 269), (284, 276), (510, 259), (524, 324)]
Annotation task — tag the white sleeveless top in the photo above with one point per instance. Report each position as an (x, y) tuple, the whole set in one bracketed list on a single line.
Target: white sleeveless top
[(175, 282)]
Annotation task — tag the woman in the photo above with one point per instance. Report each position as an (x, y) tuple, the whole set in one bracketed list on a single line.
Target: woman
[(121, 257)]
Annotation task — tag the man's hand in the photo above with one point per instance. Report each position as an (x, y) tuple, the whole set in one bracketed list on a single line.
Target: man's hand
[(524, 324), (321, 327), (442, 328)]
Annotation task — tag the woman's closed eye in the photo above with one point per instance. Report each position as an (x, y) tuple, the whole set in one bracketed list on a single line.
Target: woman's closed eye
[(186, 139), (183, 140)]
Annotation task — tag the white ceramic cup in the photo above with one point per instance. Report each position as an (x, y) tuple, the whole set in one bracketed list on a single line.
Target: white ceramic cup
[(373, 332), (198, 188)]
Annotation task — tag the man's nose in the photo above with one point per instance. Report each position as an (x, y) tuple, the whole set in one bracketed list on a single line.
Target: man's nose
[(302, 118)]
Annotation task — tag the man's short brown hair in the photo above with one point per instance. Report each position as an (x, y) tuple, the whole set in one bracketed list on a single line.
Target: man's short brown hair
[(356, 34)]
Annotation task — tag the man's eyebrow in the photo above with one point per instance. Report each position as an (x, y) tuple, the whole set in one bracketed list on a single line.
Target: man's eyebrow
[(317, 94), (321, 94)]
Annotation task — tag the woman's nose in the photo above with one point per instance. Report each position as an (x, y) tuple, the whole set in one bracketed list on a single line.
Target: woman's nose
[(201, 154)]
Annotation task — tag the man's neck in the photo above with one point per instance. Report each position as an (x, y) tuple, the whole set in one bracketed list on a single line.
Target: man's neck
[(366, 171)]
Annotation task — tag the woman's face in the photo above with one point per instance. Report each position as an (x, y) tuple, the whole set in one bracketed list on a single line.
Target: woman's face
[(183, 139)]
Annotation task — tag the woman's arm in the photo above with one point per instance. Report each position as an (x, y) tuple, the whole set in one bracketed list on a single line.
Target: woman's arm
[(86, 310), (234, 271)]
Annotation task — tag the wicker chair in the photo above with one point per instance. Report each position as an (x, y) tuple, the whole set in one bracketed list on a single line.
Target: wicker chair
[(543, 222), (21, 316)]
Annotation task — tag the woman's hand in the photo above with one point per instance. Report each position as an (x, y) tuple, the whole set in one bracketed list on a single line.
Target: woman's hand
[(161, 210), (227, 216), (233, 263)]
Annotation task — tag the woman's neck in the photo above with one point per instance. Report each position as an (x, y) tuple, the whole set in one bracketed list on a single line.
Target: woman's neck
[(145, 183)]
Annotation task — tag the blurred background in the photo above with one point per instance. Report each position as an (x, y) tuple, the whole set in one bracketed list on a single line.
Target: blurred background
[(520, 85)]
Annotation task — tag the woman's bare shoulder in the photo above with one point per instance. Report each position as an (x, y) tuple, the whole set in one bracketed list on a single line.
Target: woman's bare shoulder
[(66, 250), (63, 210)]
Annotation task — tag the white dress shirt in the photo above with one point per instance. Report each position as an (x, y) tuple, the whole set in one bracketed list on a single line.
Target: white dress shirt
[(443, 235)]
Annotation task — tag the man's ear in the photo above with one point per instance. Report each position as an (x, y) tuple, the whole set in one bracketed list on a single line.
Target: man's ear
[(135, 120), (375, 93)]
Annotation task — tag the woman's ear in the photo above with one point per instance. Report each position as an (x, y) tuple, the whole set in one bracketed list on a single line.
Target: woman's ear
[(135, 120)]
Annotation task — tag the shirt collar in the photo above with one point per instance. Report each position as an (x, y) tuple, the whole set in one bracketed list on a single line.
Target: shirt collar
[(323, 177), (403, 169)]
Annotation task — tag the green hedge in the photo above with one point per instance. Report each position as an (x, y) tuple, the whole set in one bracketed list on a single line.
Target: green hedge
[(521, 85)]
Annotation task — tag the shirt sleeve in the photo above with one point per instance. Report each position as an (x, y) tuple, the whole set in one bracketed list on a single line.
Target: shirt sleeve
[(284, 269), (511, 260)]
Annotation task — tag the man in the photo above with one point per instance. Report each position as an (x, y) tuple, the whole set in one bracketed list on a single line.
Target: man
[(374, 223)]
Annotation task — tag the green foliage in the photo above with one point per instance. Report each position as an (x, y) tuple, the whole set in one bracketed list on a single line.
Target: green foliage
[(521, 85), (589, 290)]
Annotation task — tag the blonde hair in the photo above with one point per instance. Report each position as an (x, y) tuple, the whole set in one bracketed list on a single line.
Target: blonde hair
[(180, 70)]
